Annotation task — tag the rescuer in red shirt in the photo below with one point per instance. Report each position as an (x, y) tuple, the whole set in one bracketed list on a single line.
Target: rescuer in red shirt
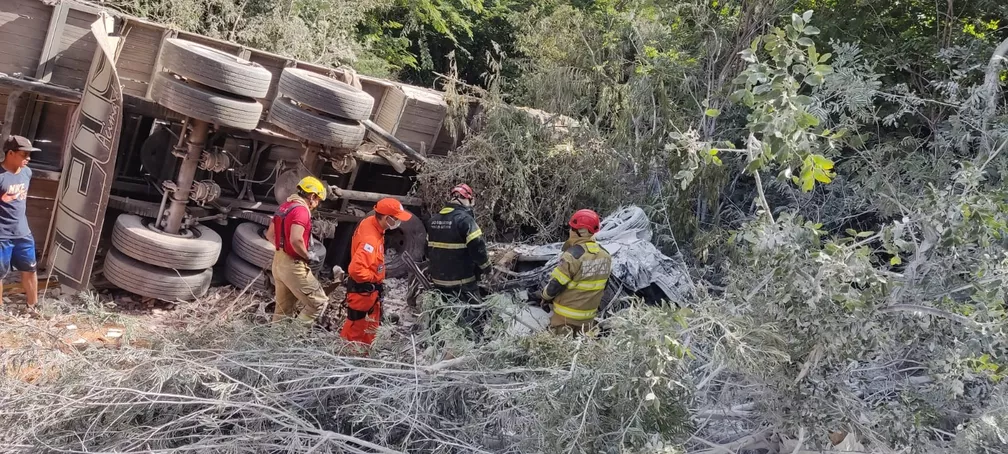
[(297, 290), (366, 272)]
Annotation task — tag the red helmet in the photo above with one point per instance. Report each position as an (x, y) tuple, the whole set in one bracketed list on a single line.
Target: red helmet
[(462, 190), (586, 219)]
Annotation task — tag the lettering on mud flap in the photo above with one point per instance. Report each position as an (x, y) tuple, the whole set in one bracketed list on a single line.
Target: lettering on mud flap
[(89, 166)]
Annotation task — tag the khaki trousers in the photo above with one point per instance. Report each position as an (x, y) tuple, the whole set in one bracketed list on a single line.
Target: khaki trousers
[(297, 289)]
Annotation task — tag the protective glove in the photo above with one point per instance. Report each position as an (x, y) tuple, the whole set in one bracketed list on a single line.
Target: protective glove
[(538, 301), (337, 273), (313, 259)]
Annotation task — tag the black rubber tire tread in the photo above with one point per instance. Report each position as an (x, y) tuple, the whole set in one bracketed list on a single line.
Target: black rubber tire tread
[(150, 281), (414, 240), (131, 237), (325, 94), (316, 128), (249, 244), (203, 104), (240, 273), (215, 68)]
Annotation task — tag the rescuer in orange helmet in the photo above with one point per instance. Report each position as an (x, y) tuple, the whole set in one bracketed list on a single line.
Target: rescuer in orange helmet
[(366, 271)]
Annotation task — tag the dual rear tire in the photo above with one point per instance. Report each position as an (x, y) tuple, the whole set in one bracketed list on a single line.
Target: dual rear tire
[(154, 264), (206, 84), (251, 258), (320, 109)]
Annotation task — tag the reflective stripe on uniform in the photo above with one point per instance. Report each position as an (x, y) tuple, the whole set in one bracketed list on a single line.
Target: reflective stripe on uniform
[(587, 285), (440, 245), (575, 314), (446, 210), (560, 277), (472, 236), (453, 283)]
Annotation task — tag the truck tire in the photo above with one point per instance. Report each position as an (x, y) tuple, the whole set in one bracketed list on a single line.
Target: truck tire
[(325, 94), (215, 68), (147, 280), (319, 249), (203, 104), (133, 237), (313, 127), (411, 236), (250, 245), (241, 273)]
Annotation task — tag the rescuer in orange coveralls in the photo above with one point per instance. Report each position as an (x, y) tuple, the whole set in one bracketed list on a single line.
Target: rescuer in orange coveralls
[(367, 270)]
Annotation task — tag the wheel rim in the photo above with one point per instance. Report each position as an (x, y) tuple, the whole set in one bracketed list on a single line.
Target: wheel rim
[(184, 233)]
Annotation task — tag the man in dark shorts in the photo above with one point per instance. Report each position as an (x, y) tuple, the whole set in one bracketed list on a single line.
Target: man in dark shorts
[(17, 246)]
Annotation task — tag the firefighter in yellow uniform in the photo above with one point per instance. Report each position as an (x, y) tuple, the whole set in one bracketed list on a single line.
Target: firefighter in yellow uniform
[(576, 285)]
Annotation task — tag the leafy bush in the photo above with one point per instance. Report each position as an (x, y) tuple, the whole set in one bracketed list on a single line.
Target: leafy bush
[(529, 173)]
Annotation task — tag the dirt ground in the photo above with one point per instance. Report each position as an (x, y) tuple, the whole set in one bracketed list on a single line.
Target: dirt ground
[(112, 318)]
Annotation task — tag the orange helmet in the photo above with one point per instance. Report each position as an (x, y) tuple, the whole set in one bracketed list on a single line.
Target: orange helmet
[(392, 207)]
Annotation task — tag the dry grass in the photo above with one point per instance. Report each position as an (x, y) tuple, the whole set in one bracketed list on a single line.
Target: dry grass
[(229, 384)]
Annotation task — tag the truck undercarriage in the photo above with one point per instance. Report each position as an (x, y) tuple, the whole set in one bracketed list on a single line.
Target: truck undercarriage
[(175, 148)]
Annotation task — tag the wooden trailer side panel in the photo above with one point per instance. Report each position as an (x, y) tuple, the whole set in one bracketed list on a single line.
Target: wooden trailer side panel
[(41, 205), (77, 46), (23, 27), (137, 57), (68, 67)]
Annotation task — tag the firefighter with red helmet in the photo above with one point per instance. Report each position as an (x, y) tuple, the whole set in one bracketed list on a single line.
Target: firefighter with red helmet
[(576, 285), (457, 252)]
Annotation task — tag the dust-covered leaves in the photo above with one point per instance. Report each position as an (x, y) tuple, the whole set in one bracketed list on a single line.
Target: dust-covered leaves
[(530, 170)]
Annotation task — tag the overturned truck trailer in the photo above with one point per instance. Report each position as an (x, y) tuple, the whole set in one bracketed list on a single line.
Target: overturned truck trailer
[(165, 152)]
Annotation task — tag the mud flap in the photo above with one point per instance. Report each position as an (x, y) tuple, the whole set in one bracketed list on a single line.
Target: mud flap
[(89, 165)]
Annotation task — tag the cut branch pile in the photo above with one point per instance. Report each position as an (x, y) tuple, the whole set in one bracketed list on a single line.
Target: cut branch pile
[(236, 387)]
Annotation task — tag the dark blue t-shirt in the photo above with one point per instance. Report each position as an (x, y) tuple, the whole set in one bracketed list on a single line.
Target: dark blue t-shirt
[(13, 197)]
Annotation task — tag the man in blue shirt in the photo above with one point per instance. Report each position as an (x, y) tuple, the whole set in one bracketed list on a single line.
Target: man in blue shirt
[(17, 246)]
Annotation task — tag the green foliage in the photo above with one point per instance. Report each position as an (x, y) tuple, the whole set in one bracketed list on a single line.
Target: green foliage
[(782, 129), (637, 71), (318, 31), (422, 38), (529, 173)]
